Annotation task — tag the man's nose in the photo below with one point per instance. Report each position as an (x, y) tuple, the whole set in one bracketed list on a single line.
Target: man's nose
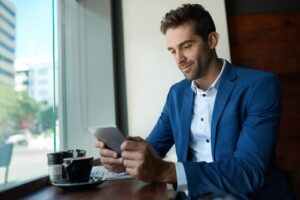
[(180, 58)]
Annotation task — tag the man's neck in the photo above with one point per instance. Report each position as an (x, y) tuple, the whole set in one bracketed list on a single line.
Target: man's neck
[(212, 73)]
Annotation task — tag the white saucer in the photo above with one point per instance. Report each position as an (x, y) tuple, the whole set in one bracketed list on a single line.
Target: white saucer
[(66, 184)]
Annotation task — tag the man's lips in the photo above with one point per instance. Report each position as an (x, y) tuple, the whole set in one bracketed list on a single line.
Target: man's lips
[(186, 68)]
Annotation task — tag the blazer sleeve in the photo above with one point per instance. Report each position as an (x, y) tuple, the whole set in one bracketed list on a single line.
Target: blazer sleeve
[(161, 137), (244, 171)]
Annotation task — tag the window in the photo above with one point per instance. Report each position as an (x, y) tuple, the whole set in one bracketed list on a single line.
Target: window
[(43, 71), (43, 82), (86, 84), (27, 88)]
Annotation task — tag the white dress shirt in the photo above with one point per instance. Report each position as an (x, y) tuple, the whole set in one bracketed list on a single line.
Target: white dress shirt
[(200, 138)]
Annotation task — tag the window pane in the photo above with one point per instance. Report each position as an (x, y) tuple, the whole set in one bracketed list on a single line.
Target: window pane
[(27, 105)]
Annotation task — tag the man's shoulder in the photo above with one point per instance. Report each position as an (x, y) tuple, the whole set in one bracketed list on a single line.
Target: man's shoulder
[(180, 91), (181, 85), (252, 74)]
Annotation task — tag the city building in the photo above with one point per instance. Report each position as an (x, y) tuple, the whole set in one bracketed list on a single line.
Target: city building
[(7, 42), (35, 75)]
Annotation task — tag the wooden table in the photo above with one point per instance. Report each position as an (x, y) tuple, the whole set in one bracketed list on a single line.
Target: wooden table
[(130, 189)]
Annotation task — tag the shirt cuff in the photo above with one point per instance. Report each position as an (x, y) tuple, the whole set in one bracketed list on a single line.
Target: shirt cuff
[(181, 178)]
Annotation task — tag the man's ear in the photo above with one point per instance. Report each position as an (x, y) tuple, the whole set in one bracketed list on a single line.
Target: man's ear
[(213, 39)]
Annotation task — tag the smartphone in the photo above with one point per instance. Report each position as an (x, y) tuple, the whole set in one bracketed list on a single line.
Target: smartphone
[(110, 135)]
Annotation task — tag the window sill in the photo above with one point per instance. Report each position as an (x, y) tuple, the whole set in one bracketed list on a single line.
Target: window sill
[(25, 188)]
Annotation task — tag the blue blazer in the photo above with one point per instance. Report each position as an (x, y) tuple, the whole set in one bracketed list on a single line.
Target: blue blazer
[(244, 129)]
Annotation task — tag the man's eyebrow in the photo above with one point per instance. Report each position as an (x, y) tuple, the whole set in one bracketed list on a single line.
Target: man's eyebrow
[(181, 44)]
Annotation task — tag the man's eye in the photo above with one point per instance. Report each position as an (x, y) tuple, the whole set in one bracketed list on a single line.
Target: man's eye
[(187, 46)]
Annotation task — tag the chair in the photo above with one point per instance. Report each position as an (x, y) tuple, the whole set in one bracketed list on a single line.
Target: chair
[(5, 158)]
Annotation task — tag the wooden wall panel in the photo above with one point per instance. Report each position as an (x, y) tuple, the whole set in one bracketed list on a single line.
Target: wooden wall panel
[(290, 92), (266, 41), (271, 41)]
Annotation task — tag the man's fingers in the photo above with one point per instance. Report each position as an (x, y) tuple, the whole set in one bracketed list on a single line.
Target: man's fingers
[(133, 144), (132, 167), (108, 153), (104, 151), (99, 144), (132, 155), (130, 163), (132, 172), (111, 161)]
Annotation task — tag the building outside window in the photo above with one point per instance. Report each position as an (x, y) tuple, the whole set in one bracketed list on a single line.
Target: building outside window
[(27, 97)]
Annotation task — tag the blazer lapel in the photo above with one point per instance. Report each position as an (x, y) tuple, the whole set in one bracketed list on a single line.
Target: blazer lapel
[(187, 111), (226, 86)]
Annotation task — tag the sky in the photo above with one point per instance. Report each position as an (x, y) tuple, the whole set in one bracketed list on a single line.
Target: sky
[(33, 27)]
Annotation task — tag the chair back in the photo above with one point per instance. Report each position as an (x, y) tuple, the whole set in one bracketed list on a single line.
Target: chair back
[(5, 154), (5, 157)]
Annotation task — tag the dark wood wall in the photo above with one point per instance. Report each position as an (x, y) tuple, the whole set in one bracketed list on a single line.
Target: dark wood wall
[(266, 41), (271, 41), (265, 34)]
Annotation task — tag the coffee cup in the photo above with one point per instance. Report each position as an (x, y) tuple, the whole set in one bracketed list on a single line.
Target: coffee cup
[(80, 153), (55, 163), (78, 169)]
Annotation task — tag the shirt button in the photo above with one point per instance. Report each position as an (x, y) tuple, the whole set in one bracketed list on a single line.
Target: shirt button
[(202, 119), (204, 95), (207, 140)]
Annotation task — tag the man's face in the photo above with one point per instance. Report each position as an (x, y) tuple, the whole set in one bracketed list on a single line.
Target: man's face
[(191, 53)]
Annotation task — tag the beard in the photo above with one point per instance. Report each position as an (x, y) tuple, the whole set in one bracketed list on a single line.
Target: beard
[(199, 71), (199, 68)]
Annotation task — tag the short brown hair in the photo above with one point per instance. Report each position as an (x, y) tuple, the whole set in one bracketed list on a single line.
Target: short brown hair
[(195, 13)]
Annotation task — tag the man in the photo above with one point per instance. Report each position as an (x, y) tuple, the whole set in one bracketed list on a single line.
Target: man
[(223, 120)]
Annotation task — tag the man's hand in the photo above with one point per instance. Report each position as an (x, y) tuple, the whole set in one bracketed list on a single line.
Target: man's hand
[(142, 162), (109, 158)]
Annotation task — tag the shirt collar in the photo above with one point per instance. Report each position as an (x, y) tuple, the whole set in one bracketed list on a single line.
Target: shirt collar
[(214, 85)]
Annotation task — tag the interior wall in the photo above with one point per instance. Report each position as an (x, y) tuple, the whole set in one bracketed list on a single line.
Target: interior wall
[(149, 68)]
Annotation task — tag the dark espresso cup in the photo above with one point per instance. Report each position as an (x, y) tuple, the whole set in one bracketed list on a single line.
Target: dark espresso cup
[(78, 169)]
